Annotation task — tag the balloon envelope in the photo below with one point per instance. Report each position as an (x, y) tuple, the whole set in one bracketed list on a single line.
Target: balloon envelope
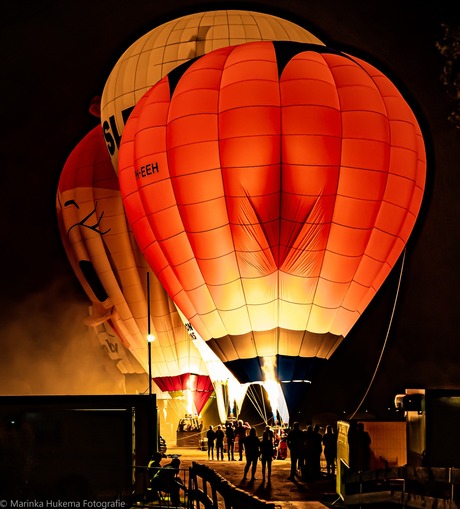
[(272, 187), (113, 272)]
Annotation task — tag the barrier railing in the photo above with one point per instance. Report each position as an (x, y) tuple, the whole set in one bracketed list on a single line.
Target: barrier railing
[(210, 490), (205, 489)]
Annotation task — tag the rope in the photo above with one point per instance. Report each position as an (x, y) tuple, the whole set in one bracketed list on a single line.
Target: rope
[(252, 396), (386, 337)]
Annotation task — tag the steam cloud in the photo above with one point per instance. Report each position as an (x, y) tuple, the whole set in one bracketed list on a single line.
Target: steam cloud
[(47, 349)]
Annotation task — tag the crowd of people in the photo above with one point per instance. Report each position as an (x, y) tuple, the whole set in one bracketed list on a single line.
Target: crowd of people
[(224, 437), (306, 446), (250, 446)]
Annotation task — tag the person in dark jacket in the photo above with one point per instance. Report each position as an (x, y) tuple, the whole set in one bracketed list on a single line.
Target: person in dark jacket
[(330, 450), (230, 434), (152, 468), (308, 453), (266, 453), (294, 442), (211, 436), (317, 451), (220, 435), (167, 479), (241, 431), (252, 450), (362, 448)]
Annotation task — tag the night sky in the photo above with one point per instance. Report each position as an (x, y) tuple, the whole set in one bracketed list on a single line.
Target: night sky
[(56, 57)]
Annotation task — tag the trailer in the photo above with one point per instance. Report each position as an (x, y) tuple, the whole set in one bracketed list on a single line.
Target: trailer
[(188, 432), (432, 420)]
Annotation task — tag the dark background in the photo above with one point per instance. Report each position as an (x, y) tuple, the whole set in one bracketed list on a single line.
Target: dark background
[(55, 58)]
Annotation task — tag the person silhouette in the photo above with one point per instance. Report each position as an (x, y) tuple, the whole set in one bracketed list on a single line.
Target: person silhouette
[(220, 435), (230, 434), (211, 436), (252, 451), (317, 451), (240, 432), (167, 479), (330, 449), (362, 448), (294, 443), (266, 453), (152, 468), (308, 453)]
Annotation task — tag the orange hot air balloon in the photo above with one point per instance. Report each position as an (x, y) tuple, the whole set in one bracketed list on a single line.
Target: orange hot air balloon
[(113, 272), (272, 187)]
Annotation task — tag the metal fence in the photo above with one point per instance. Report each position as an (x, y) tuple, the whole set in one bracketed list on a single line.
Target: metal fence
[(405, 486)]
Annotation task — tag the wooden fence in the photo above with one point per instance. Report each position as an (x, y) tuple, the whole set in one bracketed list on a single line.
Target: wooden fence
[(205, 489), (212, 491)]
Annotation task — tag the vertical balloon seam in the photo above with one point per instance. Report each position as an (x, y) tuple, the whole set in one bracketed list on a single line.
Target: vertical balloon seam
[(322, 51), (258, 359), (285, 52), (352, 59)]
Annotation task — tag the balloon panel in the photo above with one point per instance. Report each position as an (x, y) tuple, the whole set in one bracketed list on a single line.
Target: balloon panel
[(266, 226), (165, 47)]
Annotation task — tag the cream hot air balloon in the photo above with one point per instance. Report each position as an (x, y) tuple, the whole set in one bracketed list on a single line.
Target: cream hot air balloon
[(113, 272), (165, 47)]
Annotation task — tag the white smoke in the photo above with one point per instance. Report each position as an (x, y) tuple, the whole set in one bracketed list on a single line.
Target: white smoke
[(46, 349)]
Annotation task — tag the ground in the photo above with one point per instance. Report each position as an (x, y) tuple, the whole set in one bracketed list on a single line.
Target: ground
[(281, 490)]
